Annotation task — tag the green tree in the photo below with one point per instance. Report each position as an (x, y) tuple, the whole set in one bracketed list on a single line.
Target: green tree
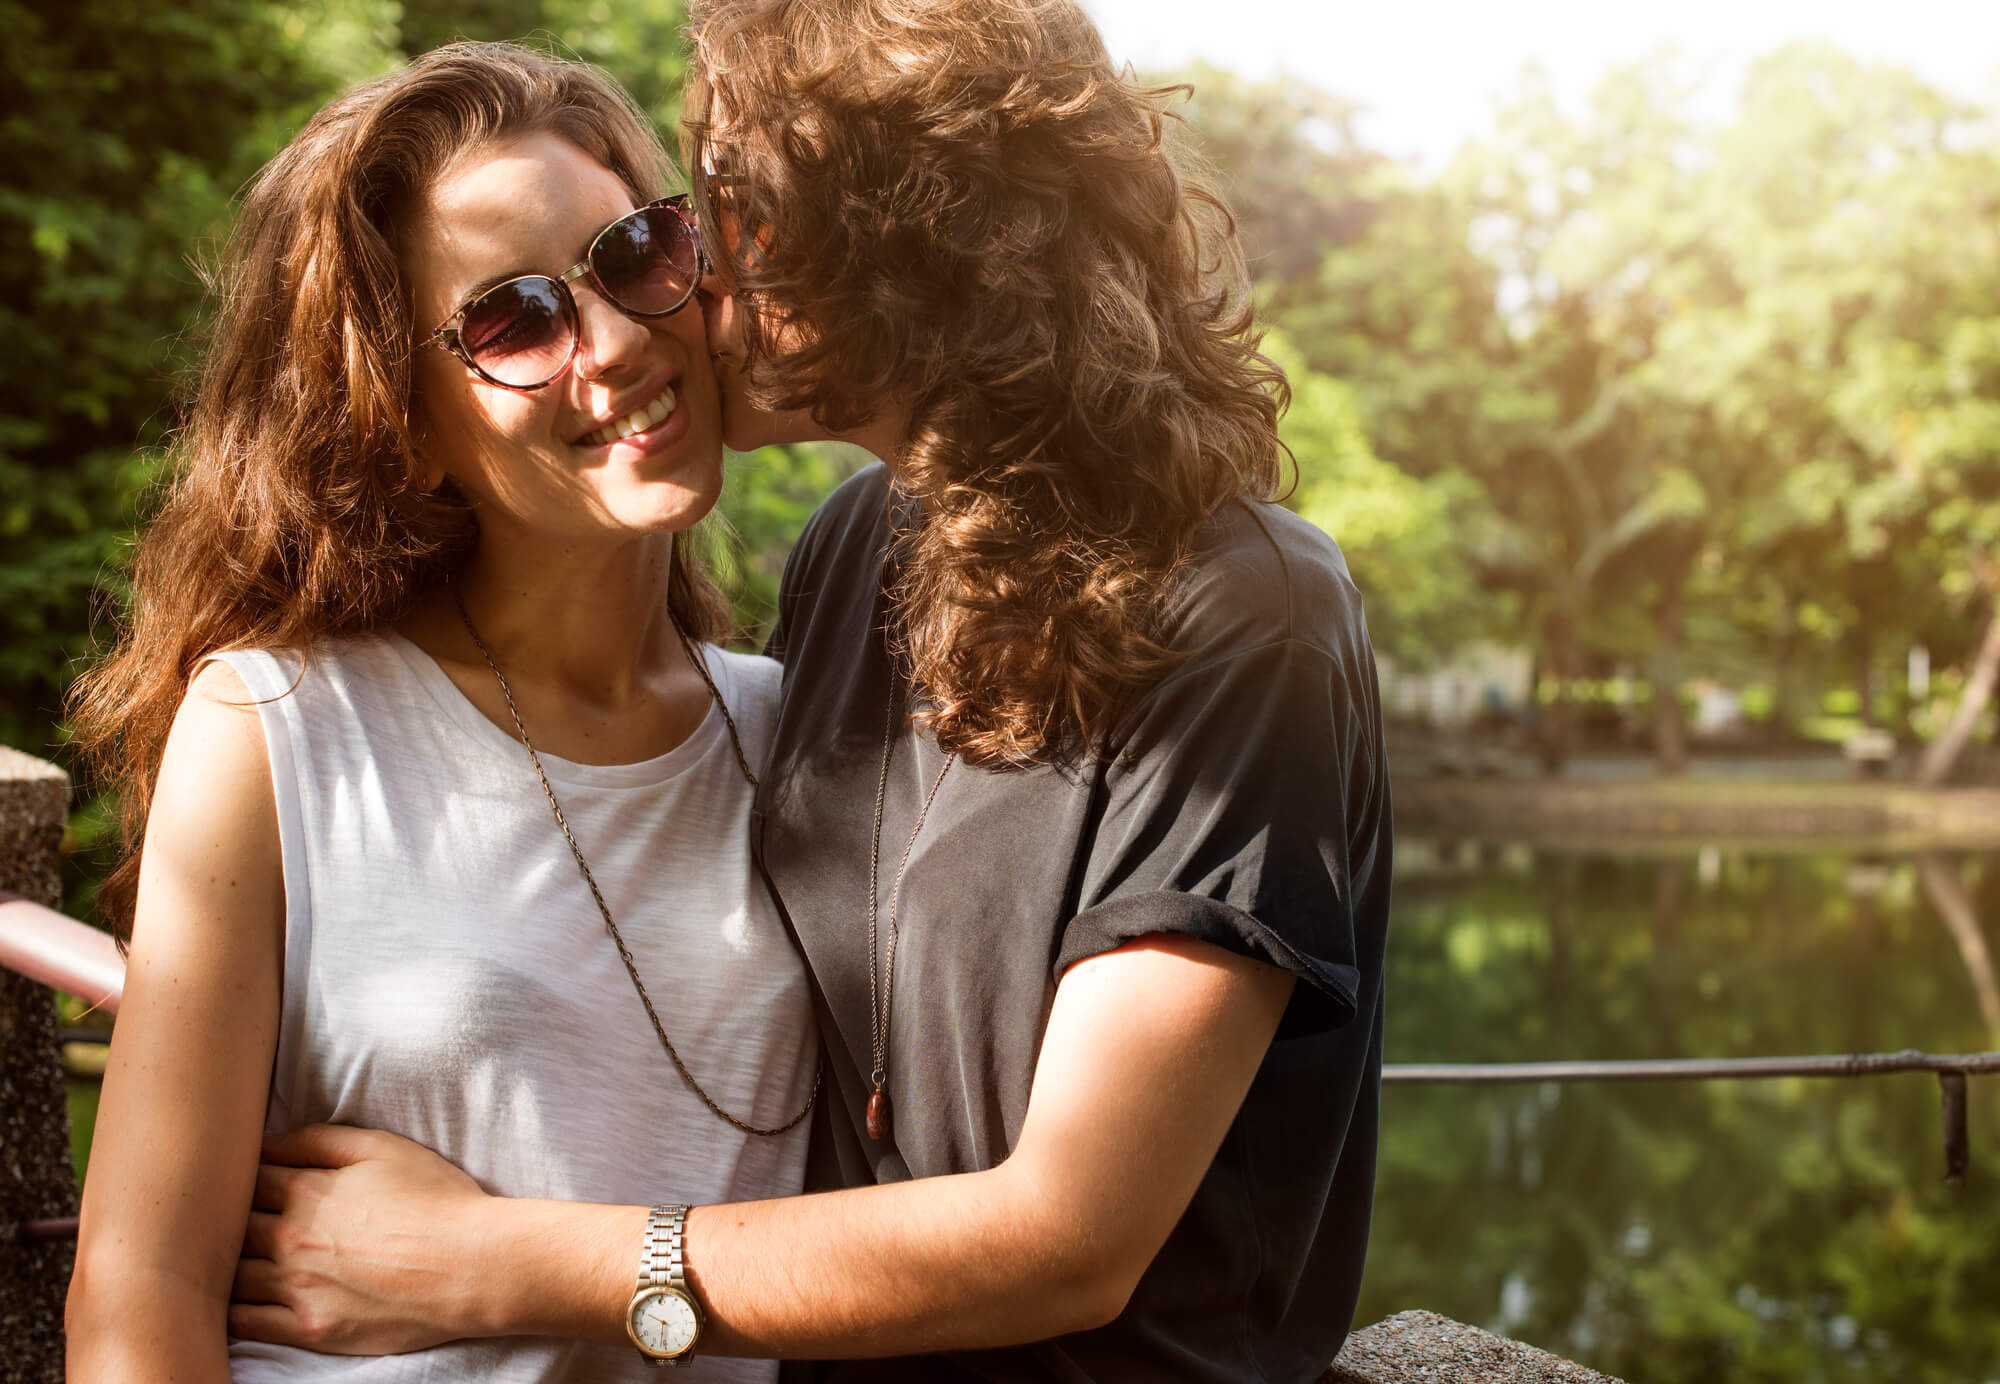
[(127, 129), (1398, 532), (1531, 314), (767, 496), (640, 42), (1727, 384), (1921, 398), (1832, 326)]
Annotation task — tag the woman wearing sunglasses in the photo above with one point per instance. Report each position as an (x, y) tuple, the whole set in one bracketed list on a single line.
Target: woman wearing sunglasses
[(448, 790), (1077, 804)]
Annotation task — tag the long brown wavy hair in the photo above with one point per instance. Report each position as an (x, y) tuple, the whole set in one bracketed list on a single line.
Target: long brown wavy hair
[(295, 510), (960, 207)]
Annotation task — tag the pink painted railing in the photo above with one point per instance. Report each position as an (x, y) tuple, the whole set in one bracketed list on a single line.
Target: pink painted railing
[(60, 952)]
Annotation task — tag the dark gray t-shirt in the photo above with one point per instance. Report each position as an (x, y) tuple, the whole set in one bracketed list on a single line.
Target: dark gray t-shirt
[(1246, 804)]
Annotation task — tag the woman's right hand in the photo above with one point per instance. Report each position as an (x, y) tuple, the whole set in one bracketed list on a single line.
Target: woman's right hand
[(359, 1243)]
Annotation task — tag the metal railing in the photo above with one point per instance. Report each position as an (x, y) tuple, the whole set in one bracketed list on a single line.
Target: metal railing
[(61, 953), (1951, 1070)]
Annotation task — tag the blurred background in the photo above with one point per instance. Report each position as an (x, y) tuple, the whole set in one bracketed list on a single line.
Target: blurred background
[(1647, 369)]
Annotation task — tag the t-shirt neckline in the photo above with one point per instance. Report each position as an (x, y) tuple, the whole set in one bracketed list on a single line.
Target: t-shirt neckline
[(495, 739)]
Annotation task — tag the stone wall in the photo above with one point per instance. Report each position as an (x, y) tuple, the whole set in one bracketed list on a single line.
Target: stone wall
[(1424, 1348), (36, 1177)]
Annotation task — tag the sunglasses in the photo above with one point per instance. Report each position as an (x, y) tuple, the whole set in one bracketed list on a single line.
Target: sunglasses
[(522, 334)]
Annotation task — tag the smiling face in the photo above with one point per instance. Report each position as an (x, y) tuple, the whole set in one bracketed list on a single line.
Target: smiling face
[(549, 463)]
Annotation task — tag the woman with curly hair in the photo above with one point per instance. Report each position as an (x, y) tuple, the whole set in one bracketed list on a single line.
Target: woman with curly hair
[(421, 576), (1077, 806)]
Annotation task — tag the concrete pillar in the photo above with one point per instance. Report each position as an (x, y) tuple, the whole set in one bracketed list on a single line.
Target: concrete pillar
[(37, 1179)]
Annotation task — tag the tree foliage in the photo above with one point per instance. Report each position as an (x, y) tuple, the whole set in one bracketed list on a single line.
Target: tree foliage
[(1399, 533), (1705, 397), (126, 130)]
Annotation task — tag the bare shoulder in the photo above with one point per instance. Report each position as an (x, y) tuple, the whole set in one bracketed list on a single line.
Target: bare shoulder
[(217, 737), (213, 804)]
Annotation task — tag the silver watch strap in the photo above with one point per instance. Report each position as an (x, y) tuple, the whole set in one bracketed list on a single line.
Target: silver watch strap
[(660, 1261)]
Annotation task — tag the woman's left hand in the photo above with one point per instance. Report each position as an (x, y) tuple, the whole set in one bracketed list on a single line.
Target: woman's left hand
[(359, 1243)]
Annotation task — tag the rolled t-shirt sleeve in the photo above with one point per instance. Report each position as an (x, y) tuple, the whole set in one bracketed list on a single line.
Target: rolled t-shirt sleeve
[(1233, 813)]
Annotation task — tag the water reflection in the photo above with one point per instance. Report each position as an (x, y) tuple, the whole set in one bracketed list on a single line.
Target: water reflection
[(1789, 1230)]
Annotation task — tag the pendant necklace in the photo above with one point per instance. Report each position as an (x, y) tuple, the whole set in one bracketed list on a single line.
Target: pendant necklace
[(880, 995), (604, 909)]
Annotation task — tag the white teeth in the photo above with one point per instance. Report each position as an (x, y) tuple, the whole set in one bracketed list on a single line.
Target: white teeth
[(636, 421)]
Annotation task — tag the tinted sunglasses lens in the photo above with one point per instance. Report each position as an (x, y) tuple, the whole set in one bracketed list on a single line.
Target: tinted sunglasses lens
[(521, 332), (647, 262)]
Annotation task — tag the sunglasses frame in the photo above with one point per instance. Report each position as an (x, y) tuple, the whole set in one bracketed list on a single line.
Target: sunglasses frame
[(447, 335)]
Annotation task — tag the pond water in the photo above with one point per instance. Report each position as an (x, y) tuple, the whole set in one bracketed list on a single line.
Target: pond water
[(1788, 1230)]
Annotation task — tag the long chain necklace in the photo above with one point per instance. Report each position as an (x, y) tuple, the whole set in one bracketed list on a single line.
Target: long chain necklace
[(881, 995), (625, 952)]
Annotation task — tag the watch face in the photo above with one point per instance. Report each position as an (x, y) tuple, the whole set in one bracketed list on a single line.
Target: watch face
[(663, 1322)]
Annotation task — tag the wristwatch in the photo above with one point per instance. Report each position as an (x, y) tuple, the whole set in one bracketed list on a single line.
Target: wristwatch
[(662, 1318)]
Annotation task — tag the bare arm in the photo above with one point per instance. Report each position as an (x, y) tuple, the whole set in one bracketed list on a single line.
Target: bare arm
[(175, 1153), (1149, 1052), (1148, 1055)]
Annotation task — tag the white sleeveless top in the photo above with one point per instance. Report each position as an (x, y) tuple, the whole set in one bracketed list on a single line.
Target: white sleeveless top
[(448, 978)]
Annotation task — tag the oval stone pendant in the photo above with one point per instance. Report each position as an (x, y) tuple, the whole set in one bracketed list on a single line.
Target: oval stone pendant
[(878, 1115)]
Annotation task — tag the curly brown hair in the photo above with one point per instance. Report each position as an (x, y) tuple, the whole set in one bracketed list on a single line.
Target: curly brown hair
[(295, 510), (960, 207)]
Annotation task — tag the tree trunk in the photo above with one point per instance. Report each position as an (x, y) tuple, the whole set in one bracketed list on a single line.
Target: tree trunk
[(1944, 751), (1669, 727)]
